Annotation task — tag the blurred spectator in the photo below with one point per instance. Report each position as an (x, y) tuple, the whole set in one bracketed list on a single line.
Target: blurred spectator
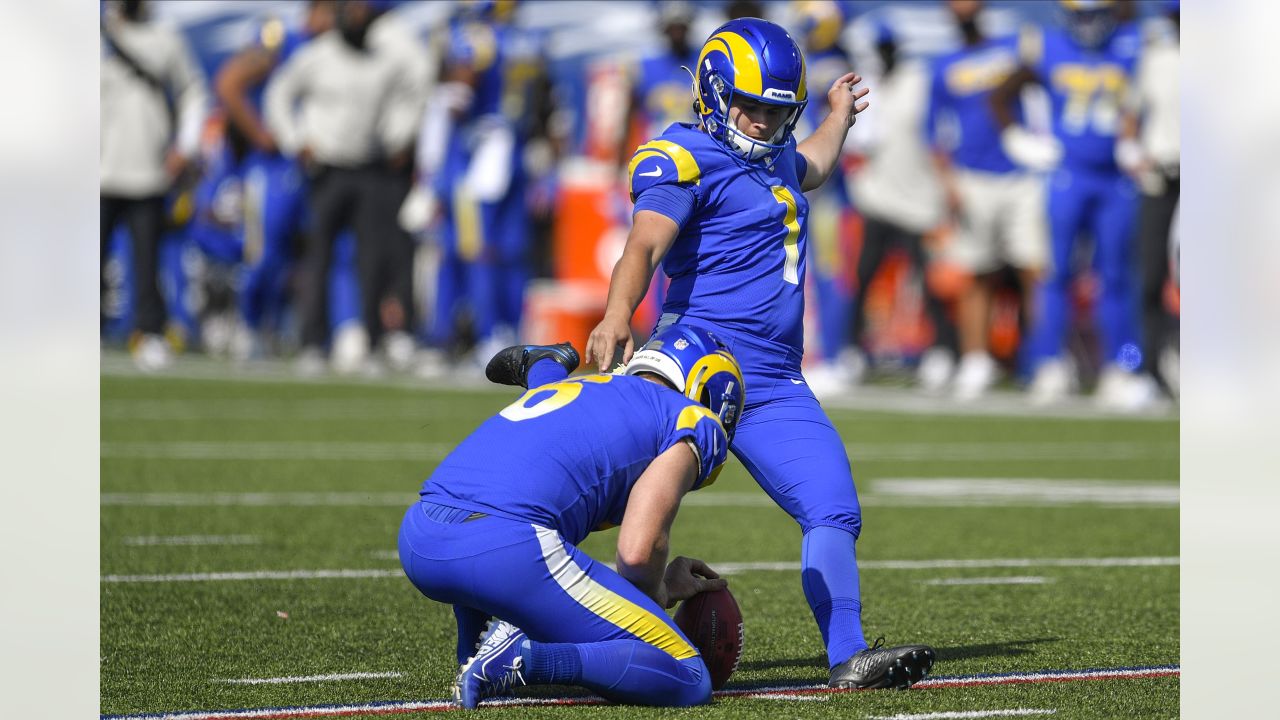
[(273, 191), (660, 96), (1085, 66), (996, 206), (900, 199), (735, 9), (821, 25), (153, 106), (1149, 152), (347, 105), (479, 179), (660, 92)]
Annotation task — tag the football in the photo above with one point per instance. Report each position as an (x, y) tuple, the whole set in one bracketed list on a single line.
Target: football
[(713, 623)]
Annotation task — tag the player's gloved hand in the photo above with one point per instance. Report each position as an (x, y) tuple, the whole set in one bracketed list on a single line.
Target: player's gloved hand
[(605, 339), (1033, 152), (418, 210), (686, 577), (1129, 156)]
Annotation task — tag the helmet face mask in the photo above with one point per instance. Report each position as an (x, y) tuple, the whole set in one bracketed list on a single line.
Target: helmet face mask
[(699, 366), (756, 60)]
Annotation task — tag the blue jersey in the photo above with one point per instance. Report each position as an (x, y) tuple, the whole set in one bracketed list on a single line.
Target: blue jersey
[(662, 91), (565, 455), (960, 117), (1086, 89), (738, 262)]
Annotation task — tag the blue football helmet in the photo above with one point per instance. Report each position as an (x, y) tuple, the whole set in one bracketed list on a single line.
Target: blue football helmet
[(756, 59), (697, 364), (1089, 22)]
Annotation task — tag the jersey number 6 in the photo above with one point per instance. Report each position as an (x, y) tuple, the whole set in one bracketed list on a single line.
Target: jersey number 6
[(562, 393)]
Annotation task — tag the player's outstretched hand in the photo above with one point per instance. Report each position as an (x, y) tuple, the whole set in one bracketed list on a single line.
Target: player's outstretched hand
[(687, 577), (611, 333), (844, 98)]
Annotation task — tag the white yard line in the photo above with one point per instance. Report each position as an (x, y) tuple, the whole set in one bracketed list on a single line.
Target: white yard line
[(256, 575), (787, 696), (276, 450), (192, 540), (726, 568), (310, 678), (888, 492), (260, 499), (1065, 451), (961, 714), (737, 567), (1046, 491), (1015, 580), (397, 708)]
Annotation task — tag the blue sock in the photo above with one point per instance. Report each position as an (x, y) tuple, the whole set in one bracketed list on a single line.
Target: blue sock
[(551, 663), (829, 573), (545, 371)]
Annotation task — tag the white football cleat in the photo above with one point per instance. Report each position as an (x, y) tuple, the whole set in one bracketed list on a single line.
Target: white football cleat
[(1052, 382), (1124, 391), (400, 349), (976, 375), (152, 354), (934, 372), (310, 363), (350, 348), (827, 379)]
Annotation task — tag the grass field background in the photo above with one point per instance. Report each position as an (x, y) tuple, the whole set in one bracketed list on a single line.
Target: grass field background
[(231, 476)]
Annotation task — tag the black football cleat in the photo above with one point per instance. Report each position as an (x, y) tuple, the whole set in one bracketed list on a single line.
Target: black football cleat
[(881, 667), (511, 365)]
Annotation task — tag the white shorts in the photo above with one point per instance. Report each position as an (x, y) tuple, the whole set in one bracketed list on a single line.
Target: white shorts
[(1002, 220)]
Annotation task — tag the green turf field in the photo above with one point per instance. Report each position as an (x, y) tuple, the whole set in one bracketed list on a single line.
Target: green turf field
[(1070, 527)]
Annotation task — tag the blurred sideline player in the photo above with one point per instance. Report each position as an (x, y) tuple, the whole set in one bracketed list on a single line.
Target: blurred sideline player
[(821, 24), (1149, 152), (496, 535), (721, 205), (273, 195), (660, 92), (1085, 66), (899, 197), (997, 206), (478, 175)]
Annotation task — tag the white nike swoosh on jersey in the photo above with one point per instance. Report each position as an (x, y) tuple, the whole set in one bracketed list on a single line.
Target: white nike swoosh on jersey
[(656, 172), (795, 381)]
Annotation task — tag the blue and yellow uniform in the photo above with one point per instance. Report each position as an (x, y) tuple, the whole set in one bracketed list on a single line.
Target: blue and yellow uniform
[(1087, 192), (959, 116), (496, 534), (737, 267), (482, 182)]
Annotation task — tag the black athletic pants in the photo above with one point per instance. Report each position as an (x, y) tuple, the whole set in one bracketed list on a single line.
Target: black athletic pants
[(367, 199), (1155, 219), (878, 236), (145, 219)]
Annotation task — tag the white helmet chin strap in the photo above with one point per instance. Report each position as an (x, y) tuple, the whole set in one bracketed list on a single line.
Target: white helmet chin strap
[(747, 148)]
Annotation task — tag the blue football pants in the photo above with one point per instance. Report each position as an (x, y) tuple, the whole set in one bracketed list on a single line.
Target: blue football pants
[(627, 649)]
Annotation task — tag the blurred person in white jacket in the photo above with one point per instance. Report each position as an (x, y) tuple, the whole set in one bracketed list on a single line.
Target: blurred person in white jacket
[(997, 205), (899, 197), (1149, 151), (154, 102), (348, 105)]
